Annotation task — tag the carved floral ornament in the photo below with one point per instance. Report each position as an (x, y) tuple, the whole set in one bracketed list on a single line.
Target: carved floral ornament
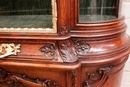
[(81, 47), (64, 31), (9, 49), (49, 51)]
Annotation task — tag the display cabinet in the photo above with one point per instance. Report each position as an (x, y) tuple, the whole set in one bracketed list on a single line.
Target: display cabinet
[(62, 43)]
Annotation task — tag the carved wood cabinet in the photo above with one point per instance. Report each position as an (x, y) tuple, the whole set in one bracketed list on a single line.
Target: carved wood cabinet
[(62, 43)]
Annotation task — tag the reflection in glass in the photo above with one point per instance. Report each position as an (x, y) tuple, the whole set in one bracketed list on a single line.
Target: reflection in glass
[(26, 14), (98, 10)]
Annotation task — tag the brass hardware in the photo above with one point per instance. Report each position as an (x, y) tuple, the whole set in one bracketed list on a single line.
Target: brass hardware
[(10, 49)]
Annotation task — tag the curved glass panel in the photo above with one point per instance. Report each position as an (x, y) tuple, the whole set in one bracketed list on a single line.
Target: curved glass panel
[(98, 10), (27, 15)]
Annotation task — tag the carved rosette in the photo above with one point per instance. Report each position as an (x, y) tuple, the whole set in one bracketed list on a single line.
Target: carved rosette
[(67, 51), (81, 47), (49, 51), (8, 79)]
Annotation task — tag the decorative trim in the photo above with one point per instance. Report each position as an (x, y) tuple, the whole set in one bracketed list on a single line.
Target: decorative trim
[(81, 47), (54, 14), (49, 51), (43, 30), (67, 51), (63, 30), (11, 49), (17, 80)]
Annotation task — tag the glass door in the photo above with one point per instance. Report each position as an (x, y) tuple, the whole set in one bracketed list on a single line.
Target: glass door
[(98, 10), (28, 15)]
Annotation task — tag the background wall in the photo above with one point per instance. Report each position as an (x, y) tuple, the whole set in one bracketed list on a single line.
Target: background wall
[(125, 10)]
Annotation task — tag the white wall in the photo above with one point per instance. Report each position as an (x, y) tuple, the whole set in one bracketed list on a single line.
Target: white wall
[(125, 10)]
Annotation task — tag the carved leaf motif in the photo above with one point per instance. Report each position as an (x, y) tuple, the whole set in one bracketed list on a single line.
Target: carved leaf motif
[(66, 51), (16, 80)]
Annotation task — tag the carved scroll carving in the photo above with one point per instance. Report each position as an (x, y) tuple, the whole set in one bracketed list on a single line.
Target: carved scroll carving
[(49, 51), (81, 47), (15, 80), (10, 49), (99, 77), (67, 51)]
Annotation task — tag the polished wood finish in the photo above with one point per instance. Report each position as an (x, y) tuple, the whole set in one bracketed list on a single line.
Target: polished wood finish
[(79, 55)]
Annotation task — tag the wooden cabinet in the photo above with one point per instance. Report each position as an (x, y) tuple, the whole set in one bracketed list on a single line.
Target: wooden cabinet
[(53, 43)]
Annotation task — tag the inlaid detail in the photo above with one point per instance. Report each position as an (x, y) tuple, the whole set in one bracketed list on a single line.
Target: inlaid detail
[(8, 79), (9, 49), (81, 47), (67, 51), (63, 30), (49, 51)]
